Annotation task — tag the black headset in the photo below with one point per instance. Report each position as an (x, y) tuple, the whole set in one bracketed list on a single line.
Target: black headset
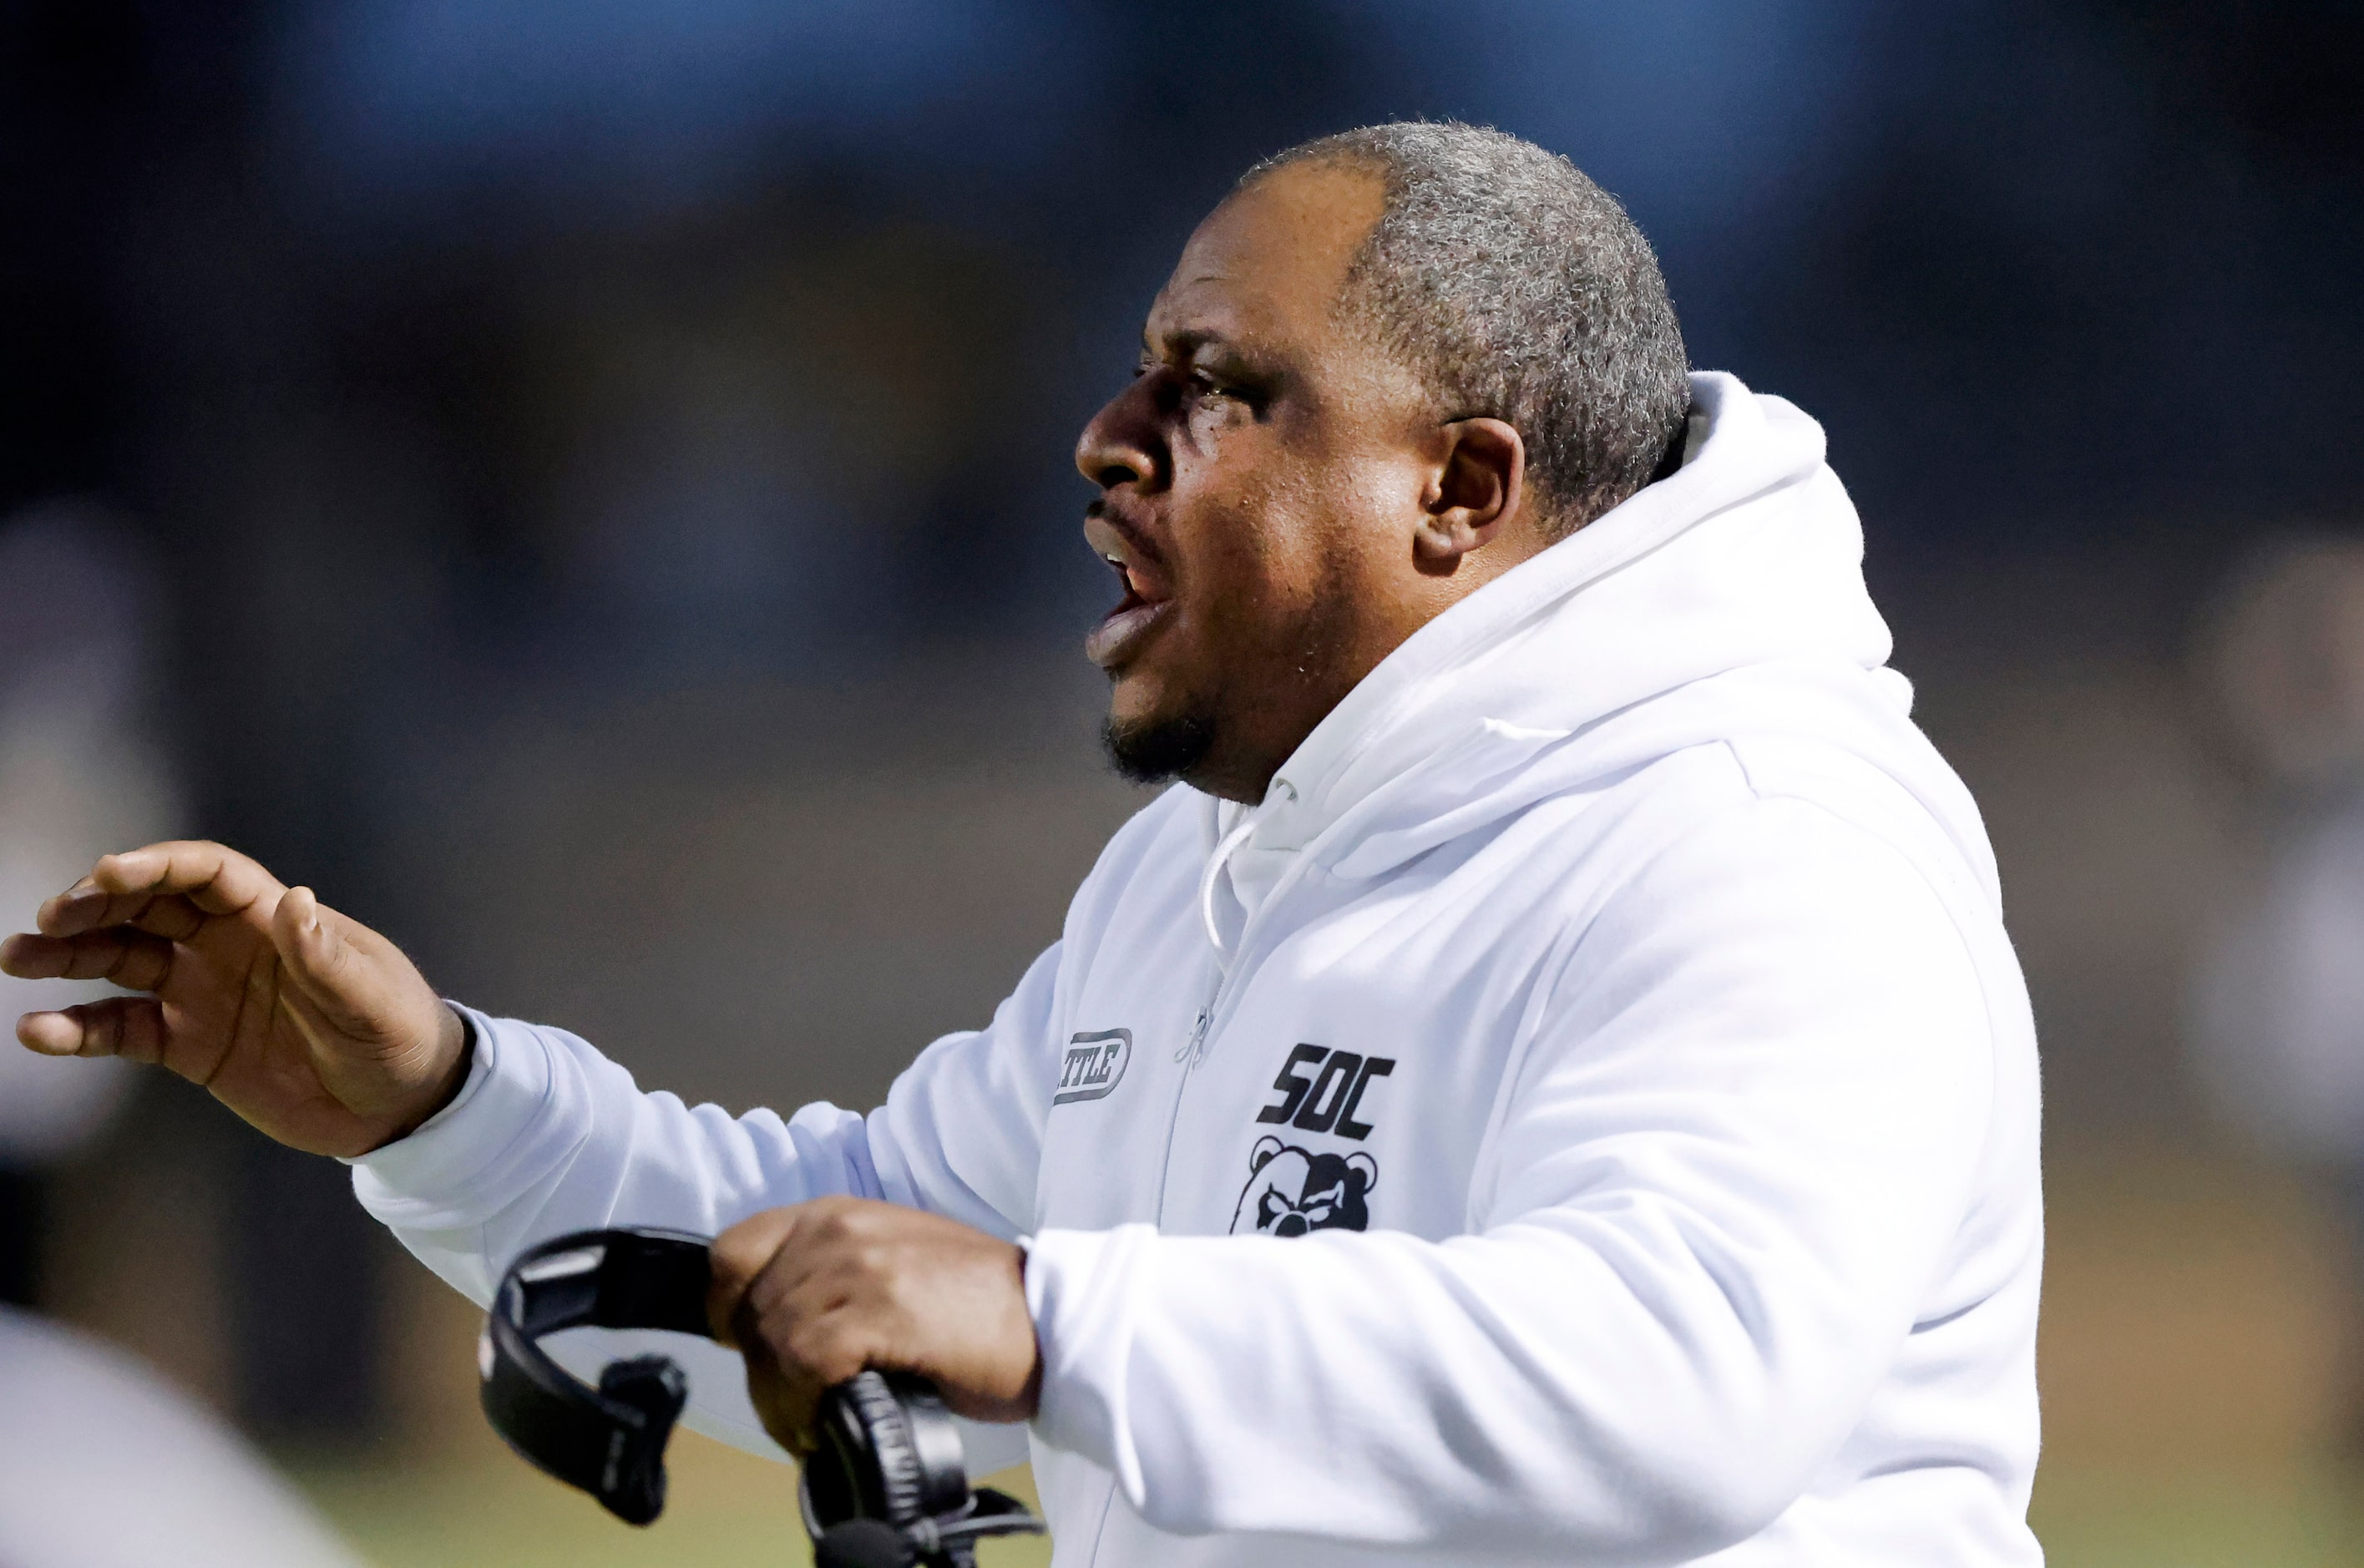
[(888, 1486)]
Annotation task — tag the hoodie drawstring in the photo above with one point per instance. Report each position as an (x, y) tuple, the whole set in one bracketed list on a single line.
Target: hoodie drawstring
[(1215, 863)]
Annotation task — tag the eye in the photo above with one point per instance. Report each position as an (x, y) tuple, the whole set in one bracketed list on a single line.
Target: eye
[(1235, 395), (1218, 401)]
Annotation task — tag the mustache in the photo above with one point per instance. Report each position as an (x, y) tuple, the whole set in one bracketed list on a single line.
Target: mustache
[(1135, 535)]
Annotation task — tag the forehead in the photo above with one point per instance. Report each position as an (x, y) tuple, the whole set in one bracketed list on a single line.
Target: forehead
[(1266, 265)]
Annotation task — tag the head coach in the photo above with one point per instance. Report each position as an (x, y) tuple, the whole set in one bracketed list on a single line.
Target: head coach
[(1549, 1083)]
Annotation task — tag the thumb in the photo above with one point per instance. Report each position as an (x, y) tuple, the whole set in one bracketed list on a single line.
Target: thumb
[(315, 954)]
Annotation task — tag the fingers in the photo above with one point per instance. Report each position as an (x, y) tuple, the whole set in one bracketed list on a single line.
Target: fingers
[(71, 914), (119, 1025), (131, 959), (787, 1399), (739, 1256), (813, 1294), (786, 1289), (825, 1348), (208, 878), (783, 1380), (789, 1368)]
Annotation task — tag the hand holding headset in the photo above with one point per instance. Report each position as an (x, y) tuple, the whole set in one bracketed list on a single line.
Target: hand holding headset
[(889, 1485)]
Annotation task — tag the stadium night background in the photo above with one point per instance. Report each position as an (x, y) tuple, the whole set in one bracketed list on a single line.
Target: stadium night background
[(548, 471)]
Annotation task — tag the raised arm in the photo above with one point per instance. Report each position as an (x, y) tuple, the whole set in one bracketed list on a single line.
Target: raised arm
[(547, 1136), (474, 1138), (308, 1024)]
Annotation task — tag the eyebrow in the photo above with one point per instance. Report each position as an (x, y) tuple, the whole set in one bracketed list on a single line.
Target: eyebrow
[(1188, 342)]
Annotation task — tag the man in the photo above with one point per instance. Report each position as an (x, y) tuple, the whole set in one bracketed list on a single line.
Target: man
[(1551, 1086)]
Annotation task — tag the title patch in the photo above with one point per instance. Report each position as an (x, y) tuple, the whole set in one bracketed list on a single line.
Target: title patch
[(1095, 1063)]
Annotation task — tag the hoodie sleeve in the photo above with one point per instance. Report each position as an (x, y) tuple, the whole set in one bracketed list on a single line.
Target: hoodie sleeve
[(1742, 1136), (549, 1136)]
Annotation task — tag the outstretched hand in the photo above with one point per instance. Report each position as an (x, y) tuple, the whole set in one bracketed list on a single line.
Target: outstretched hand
[(308, 1024), (813, 1294)]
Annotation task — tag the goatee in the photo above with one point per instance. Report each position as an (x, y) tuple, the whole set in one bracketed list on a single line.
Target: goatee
[(1158, 749)]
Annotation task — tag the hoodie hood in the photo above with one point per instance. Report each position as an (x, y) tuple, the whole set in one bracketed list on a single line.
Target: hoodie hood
[(1725, 600)]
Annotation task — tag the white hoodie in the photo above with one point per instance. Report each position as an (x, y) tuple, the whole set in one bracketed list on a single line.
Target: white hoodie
[(1615, 990)]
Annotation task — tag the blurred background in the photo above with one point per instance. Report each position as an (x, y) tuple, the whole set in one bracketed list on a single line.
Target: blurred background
[(585, 486)]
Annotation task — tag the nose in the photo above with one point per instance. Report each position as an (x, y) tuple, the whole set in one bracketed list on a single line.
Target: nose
[(1122, 445), (1290, 1225)]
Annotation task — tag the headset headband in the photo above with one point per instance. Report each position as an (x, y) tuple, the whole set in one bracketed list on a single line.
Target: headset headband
[(611, 1441)]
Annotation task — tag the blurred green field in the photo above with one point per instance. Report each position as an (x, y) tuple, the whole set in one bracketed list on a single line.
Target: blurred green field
[(492, 1511), (728, 1511), (2120, 1520), (2197, 1349)]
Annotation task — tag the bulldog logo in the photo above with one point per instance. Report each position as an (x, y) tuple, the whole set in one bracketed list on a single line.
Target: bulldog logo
[(1291, 1191)]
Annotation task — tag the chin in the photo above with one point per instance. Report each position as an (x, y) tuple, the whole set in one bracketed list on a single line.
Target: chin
[(1157, 748), (1143, 697)]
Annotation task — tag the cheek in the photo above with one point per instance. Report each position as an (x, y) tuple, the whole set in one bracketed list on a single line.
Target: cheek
[(1249, 528)]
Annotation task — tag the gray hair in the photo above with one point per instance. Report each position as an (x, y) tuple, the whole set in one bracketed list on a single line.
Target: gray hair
[(1521, 291)]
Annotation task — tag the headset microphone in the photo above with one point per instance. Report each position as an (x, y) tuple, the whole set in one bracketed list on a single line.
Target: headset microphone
[(861, 1543), (887, 1487)]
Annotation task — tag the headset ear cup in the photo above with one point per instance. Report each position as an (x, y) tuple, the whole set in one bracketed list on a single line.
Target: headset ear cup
[(634, 1484), (902, 1487), (889, 1452)]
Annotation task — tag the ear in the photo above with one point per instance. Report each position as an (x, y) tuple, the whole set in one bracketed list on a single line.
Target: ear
[(1358, 1161), (1261, 1155), (1475, 490)]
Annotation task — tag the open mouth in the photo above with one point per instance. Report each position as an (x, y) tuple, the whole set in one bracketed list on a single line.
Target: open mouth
[(1145, 598)]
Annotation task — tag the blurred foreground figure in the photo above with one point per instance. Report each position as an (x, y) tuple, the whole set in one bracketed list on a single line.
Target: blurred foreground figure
[(2280, 1014), (79, 770), (1548, 1085), (102, 1465), (2280, 1023)]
